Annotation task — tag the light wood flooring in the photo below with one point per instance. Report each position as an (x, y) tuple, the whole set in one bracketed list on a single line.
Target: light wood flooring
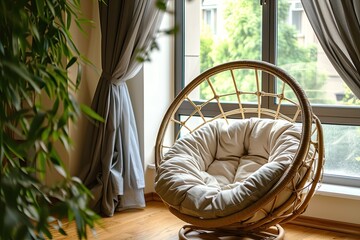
[(155, 222)]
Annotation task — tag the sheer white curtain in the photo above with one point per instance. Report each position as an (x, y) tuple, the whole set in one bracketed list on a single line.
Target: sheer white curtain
[(337, 26), (113, 169)]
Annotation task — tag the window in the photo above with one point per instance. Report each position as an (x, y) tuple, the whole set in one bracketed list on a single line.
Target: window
[(277, 32), (209, 16), (296, 14)]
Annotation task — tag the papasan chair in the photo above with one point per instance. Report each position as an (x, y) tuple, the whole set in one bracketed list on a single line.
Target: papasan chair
[(235, 160)]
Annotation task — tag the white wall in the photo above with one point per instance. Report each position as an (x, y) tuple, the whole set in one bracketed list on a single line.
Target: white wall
[(336, 208)]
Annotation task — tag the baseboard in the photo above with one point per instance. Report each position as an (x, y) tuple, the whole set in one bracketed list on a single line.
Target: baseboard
[(326, 224), (305, 221), (148, 197), (152, 197)]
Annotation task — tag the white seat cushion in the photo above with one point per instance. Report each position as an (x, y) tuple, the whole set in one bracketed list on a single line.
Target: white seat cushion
[(222, 168)]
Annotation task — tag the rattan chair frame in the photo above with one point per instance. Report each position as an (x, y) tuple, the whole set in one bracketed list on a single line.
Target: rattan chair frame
[(311, 137)]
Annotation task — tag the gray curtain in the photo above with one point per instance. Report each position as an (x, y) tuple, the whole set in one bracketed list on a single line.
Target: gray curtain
[(337, 26), (113, 169)]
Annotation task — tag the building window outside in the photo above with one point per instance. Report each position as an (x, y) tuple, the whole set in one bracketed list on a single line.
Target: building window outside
[(234, 29), (296, 14), (209, 19)]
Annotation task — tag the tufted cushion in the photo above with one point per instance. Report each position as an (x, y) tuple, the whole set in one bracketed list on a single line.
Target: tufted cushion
[(222, 168)]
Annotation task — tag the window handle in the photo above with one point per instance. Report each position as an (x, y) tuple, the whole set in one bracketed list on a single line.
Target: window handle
[(263, 2)]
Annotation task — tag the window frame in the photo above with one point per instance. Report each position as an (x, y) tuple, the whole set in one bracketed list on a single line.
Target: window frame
[(328, 114)]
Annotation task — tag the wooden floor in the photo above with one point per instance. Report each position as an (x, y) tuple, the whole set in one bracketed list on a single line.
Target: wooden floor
[(156, 222)]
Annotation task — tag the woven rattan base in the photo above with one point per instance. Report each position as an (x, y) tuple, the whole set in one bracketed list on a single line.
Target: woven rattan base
[(192, 232)]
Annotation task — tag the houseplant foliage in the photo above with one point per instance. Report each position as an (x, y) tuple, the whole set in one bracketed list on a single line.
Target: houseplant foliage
[(36, 107)]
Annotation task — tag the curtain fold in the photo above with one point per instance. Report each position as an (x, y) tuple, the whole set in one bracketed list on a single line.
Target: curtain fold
[(113, 168), (337, 26)]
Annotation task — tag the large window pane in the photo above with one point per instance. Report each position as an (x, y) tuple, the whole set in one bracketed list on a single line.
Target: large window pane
[(300, 54), (342, 149), (220, 31)]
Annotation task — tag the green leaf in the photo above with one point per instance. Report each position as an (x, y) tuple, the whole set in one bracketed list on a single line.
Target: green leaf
[(140, 59), (55, 158), (171, 31), (41, 164), (55, 107), (27, 98), (161, 5), (14, 148), (2, 50), (23, 73), (71, 62), (62, 232), (37, 121), (60, 170), (40, 7), (35, 32), (47, 232), (78, 76), (66, 141), (68, 19), (91, 113), (51, 7)]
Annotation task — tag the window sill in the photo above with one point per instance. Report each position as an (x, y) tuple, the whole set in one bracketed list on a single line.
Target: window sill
[(330, 190), (339, 191)]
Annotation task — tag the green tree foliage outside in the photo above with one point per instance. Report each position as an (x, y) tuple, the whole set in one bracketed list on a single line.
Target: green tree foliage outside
[(206, 45), (349, 98)]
